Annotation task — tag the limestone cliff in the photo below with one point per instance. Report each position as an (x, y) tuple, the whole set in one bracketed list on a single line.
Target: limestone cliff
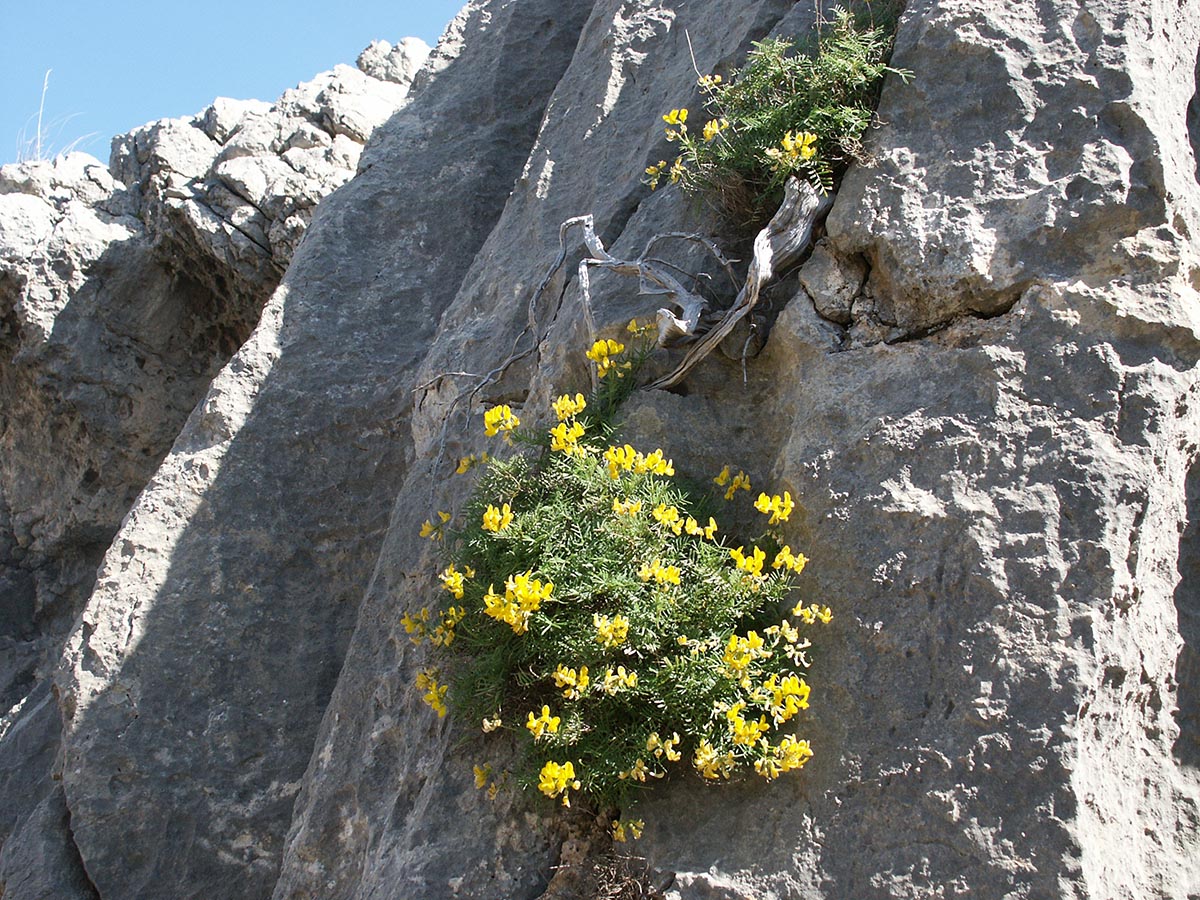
[(981, 388)]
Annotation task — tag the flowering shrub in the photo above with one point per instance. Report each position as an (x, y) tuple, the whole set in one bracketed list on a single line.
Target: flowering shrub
[(594, 611), (784, 113)]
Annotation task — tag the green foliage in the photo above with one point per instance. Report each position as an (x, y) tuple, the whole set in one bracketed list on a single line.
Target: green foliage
[(785, 113), (595, 613)]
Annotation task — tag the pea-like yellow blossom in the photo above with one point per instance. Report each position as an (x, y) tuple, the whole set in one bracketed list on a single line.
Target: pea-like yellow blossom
[(626, 459), (790, 754), (709, 763), (626, 508), (543, 724), (743, 731), (660, 573), (453, 580), (615, 680), (678, 170), (752, 564), (435, 693), (623, 830), (496, 520), (482, 774), (669, 516), (573, 683), (639, 772), (490, 725), (786, 696), (740, 481), (567, 406), (443, 634), (564, 438), (434, 532), (641, 329), (709, 82), (611, 632), (813, 613), (740, 653), (786, 559), (417, 626), (469, 462), (556, 780), (523, 594), (661, 748), (713, 127), (499, 420), (778, 508), (654, 173), (676, 117), (604, 353)]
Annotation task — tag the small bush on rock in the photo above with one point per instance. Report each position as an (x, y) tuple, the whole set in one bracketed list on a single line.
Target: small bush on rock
[(785, 113), (594, 611)]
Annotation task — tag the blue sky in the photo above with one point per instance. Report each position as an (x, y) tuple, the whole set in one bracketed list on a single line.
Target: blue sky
[(117, 64)]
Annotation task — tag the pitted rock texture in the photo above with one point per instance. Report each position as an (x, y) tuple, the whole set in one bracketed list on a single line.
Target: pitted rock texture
[(238, 571), (981, 389)]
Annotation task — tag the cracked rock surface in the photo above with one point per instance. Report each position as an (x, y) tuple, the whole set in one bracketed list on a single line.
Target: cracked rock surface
[(982, 389)]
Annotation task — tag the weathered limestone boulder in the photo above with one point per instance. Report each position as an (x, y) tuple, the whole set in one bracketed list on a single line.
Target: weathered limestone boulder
[(194, 682), (110, 331), (982, 392)]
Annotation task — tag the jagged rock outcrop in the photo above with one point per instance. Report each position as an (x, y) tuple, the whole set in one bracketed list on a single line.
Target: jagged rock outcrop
[(981, 389), (112, 324)]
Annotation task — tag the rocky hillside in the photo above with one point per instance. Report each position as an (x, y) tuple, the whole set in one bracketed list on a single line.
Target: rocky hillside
[(220, 441)]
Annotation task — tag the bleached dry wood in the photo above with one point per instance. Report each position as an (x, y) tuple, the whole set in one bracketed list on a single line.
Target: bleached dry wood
[(785, 237)]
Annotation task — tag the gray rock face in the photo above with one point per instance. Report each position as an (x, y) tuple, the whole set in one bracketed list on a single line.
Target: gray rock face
[(241, 565), (981, 388), (111, 328)]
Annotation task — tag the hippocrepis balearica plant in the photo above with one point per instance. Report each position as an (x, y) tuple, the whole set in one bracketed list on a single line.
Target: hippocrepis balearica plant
[(787, 112), (592, 609)]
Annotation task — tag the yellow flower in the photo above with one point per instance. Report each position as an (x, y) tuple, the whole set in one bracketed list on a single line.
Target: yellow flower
[(416, 626), (639, 772), (778, 508), (573, 683), (669, 516), (639, 330), (812, 614), (434, 532), (751, 565), (615, 680), (802, 145), (678, 170), (543, 724), (653, 173), (499, 420), (786, 559), (790, 754), (603, 353), (709, 81), (627, 508), (661, 748), (711, 529), (566, 406), (496, 520), (435, 694), (557, 779), (611, 632), (482, 774), (565, 438), (709, 764), (740, 653), (523, 594), (490, 725), (739, 482), (452, 580), (676, 117), (713, 127), (660, 573), (621, 831), (744, 732)]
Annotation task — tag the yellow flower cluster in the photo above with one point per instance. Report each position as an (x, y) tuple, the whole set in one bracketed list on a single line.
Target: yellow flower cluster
[(640, 772), (794, 561), (469, 462), (499, 420), (442, 635), (603, 354), (790, 754), (710, 764), (564, 438), (615, 680), (542, 725), (708, 82), (435, 694), (611, 632), (496, 520), (660, 573), (713, 127), (752, 564), (813, 613), (667, 748), (676, 117), (740, 481), (434, 532), (454, 580), (778, 508), (523, 594), (626, 459), (556, 779), (627, 508), (795, 146), (623, 830), (565, 407), (740, 652), (572, 683), (644, 329), (742, 730), (785, 696)]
